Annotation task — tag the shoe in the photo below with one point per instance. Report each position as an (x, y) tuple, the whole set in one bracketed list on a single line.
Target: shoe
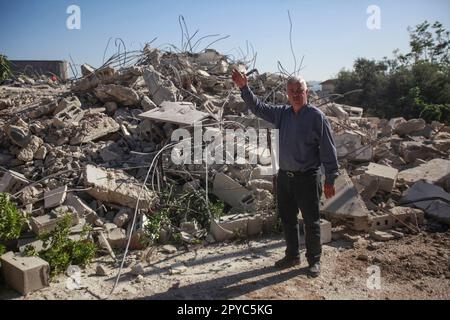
[(314, 270), (287, 262)]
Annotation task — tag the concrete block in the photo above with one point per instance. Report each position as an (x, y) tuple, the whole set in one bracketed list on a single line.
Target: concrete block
[(384, 175), (398, 217), (25, 274), (325, 231), (55, 197), (48, 222)]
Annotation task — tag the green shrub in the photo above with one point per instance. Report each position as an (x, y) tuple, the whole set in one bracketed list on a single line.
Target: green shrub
[(12, 221), (5, 68), (61, 252)]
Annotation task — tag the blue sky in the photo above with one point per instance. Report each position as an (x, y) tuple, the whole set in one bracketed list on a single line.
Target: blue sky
[(329, 33)]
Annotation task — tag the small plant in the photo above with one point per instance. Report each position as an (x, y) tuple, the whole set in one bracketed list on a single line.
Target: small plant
[(2, 249), (60, 251), (5, 68), (175, 208), (12, 221)]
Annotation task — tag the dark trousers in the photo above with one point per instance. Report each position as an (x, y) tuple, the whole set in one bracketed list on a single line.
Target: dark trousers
[(296, 190)]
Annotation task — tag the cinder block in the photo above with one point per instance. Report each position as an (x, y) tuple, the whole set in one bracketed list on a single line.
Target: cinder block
[(55, 197), (325, 231), (25, 274)]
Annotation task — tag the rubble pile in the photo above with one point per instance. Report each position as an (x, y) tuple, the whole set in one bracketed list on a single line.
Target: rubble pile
[(86, 147)]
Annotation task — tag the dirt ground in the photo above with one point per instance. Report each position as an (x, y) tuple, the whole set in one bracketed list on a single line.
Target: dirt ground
[(414, 267)]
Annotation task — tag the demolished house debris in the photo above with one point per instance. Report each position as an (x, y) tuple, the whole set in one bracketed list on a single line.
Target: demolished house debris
[(85, 147)]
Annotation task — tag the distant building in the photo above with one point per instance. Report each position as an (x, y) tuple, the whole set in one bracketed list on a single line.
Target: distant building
[(41, 67), (328, 87)]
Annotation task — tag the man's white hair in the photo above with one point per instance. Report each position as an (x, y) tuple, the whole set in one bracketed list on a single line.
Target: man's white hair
[(295, 79)]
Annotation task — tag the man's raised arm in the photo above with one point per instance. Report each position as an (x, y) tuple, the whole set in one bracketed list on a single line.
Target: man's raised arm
[(265, 111)]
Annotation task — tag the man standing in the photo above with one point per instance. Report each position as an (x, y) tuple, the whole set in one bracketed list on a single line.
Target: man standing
[(306, 142)]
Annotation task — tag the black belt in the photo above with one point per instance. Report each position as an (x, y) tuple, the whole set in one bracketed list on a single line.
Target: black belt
[(292, 174)]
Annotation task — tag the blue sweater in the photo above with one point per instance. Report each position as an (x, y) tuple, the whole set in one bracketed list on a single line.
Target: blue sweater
[(305, 139)]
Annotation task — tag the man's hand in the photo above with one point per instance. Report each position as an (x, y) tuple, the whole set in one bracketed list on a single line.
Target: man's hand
[(329, 190), (239, 79)]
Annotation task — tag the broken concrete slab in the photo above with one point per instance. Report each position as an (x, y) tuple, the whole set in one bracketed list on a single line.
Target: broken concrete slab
[(117, 93), (175, 112), (115, 186), (384, 175), (410, 126), (437, 209), (159, 88), (13, 182), (413, 150), (346, 206), (25, 274), (436, 171), (54, 198), (231, 192), (95, 129), (229, 227)]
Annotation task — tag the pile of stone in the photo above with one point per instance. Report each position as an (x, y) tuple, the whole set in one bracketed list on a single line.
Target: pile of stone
[(85, 148)]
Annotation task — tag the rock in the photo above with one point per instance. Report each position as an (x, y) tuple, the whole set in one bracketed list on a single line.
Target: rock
[(410, 126), (147, 104), (27, 153), (177, 268), (122, 217), (110, 107), (381, 235), (397, 234), (168, 249), (18, 135), (363, 257), (41, 153), (101, 270), (137, 269)]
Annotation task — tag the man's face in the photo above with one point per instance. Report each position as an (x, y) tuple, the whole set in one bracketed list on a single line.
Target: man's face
[(297, 95)]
